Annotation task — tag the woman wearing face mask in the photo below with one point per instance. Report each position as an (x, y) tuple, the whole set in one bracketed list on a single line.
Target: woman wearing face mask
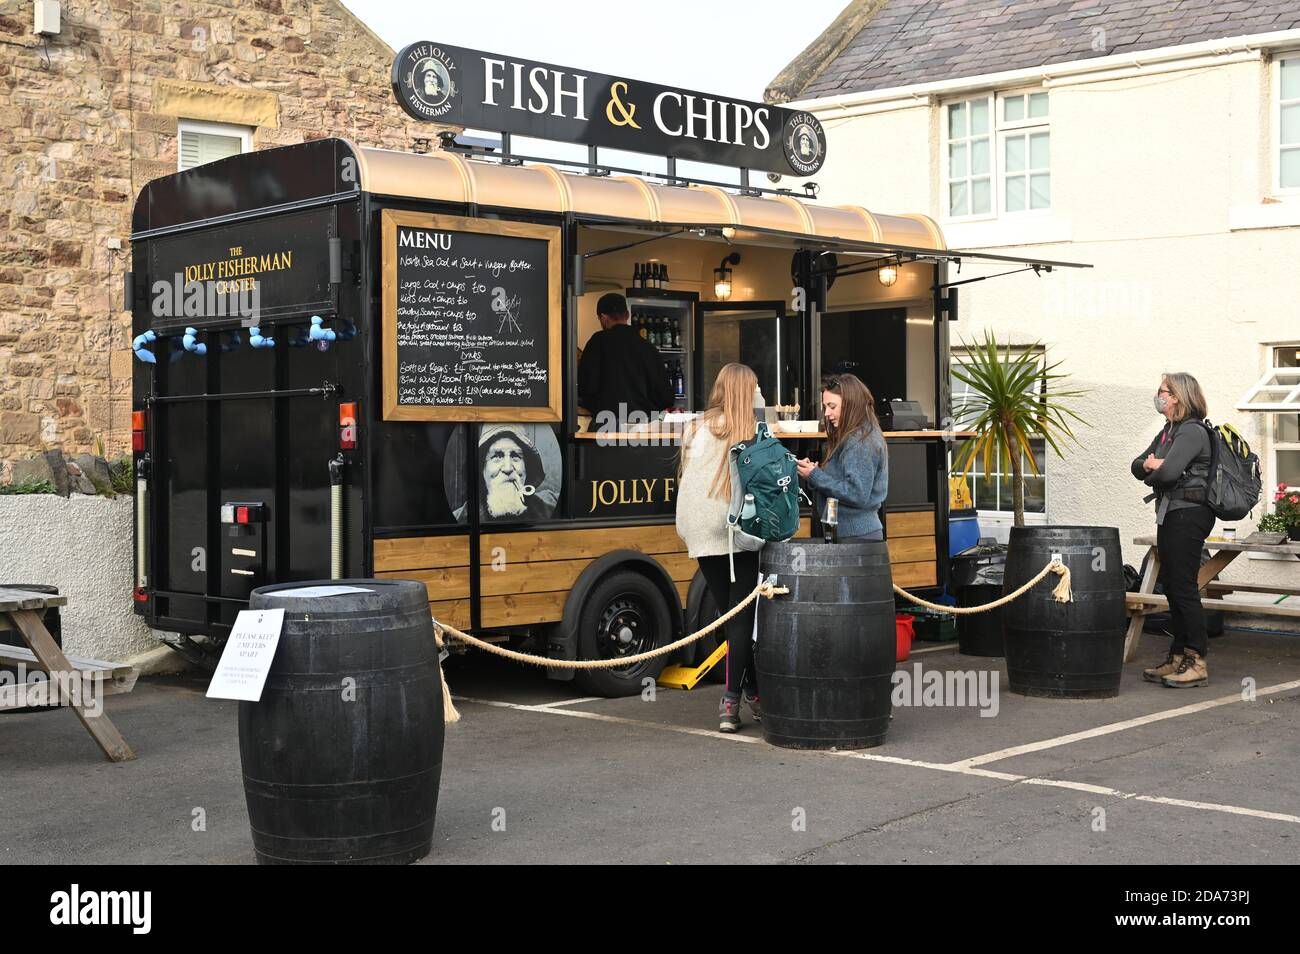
[(856, 469), (1176, 466)]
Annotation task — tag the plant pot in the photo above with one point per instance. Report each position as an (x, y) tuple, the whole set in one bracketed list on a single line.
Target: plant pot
[(1293, 533)]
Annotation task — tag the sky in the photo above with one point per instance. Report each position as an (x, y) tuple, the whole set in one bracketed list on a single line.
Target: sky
[(733, 48)]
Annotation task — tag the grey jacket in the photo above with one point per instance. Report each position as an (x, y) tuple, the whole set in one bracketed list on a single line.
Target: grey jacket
[(1183, 477), (857, 475)]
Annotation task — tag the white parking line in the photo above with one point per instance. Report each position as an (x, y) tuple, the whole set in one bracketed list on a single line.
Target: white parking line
[(956, 768), (568, 702), (1121, 726)]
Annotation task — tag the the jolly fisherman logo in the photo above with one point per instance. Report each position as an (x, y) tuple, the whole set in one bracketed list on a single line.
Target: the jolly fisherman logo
[(425, 81), (804, 142)]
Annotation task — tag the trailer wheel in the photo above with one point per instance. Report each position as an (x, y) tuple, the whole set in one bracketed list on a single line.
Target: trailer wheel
[(624, 614)]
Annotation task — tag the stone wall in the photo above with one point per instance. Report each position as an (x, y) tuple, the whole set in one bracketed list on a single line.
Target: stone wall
[(87, 119)]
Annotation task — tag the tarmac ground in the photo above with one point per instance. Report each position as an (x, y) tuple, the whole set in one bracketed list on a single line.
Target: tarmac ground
[(536, 773)]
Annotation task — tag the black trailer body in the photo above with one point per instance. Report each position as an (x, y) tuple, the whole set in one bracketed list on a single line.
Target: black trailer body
[(270, 457)]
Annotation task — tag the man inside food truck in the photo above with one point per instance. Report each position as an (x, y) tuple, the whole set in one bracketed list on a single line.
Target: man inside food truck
[(620, 372)]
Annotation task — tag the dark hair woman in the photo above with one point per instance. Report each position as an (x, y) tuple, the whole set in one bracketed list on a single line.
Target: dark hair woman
[(1176, 465), (856, 469)]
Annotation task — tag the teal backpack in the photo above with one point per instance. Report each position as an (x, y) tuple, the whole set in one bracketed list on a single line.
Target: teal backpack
[(764, 469)]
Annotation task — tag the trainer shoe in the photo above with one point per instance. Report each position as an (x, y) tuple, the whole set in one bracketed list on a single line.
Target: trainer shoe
[(729, 715), (1156, 673), (1192, 671), (755, 709)]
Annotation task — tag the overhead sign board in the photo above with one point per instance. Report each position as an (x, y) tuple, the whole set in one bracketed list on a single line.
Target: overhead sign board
[(460, 87)]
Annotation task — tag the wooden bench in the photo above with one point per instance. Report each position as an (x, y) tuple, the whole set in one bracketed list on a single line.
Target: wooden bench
[(1145, 601), (22, 610)]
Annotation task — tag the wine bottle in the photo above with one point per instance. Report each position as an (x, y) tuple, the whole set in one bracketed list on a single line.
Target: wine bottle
[(636, 274), (677, 333), (664, 276)]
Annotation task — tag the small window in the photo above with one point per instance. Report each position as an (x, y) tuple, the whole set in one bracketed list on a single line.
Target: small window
[(1288, 123), (997, 156), (201, 143), (970, 174)]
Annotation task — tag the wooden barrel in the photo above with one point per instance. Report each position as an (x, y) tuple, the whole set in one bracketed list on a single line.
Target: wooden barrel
[(1065, 650), (342, 756), (825, 652), (980, 634)]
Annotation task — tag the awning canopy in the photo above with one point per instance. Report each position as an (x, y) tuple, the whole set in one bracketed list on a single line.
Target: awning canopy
[(1277, 392), (627, 200)]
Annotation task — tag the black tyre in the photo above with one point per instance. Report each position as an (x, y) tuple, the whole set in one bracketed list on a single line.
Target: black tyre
[(624, 614), (705, 646)]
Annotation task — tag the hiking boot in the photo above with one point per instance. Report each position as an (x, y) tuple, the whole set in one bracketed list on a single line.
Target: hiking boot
[(1156, 673), (729, 715), (755, 709), (1192, 671)]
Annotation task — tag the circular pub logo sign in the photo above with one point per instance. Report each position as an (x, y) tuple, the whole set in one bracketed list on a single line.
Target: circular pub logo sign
[(804, 142), (424, 81)]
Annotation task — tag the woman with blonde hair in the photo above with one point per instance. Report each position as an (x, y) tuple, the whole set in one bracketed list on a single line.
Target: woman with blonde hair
[(1176, 465), (703, 496)]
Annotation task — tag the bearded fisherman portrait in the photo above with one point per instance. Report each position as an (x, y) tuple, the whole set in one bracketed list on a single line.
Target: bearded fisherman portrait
[(510, 476)]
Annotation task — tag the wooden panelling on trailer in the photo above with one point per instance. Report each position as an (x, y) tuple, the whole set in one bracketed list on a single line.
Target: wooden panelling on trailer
[(525, 577)]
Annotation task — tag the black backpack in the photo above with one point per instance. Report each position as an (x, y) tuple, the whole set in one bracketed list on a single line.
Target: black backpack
[(1234, 482)]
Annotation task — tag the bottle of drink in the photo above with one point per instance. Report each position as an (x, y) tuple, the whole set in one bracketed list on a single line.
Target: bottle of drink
[(659, 275), (677, 333), (663, 278), (636, 274), (681, 381), (641, 327), (748, 509), (831, 521)]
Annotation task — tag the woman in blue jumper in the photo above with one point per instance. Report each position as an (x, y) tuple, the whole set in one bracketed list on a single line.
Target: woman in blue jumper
[(856, 469)]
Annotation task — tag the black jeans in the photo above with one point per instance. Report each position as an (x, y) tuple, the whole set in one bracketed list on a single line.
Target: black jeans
[(740, 628), (1179, 541)]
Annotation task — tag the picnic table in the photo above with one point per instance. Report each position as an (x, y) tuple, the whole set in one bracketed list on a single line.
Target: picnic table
[(23, 611), (1146, 601)]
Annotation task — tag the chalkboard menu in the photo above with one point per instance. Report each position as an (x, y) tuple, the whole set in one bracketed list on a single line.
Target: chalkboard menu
[(471, 319)]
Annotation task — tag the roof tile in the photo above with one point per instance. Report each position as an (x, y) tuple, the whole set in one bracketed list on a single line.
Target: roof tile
[(918, 41)]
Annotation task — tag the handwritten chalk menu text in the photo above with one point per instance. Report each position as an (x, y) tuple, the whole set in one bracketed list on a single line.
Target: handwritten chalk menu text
[(471, 319)]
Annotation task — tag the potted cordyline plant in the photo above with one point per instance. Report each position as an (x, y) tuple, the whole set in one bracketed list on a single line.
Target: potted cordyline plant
[(1011, 398)]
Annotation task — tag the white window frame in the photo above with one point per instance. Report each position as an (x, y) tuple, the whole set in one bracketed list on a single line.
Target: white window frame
[(1276, 113), (991, 102), (1289, 406), (183, 126), (999, 130), (998, 514)]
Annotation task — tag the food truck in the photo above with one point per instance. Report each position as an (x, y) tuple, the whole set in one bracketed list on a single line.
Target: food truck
[(356, 362)]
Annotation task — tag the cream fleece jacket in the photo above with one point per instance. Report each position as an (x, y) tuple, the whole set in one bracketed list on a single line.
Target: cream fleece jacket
[(701, 517)]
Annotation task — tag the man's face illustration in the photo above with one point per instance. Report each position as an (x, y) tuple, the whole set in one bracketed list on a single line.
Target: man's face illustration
[(505, 474)]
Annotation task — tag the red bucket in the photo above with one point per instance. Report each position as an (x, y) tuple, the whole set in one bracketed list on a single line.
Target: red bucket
[(906, 633)]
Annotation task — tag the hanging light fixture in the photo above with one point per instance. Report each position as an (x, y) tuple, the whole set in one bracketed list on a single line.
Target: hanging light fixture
[(722, 277), (888, 274)]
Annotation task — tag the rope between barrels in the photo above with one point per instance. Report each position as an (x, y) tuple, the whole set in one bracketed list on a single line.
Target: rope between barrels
[(1061, 593)]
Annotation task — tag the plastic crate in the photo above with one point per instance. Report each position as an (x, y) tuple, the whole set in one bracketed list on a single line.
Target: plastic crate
[(934, 627)]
